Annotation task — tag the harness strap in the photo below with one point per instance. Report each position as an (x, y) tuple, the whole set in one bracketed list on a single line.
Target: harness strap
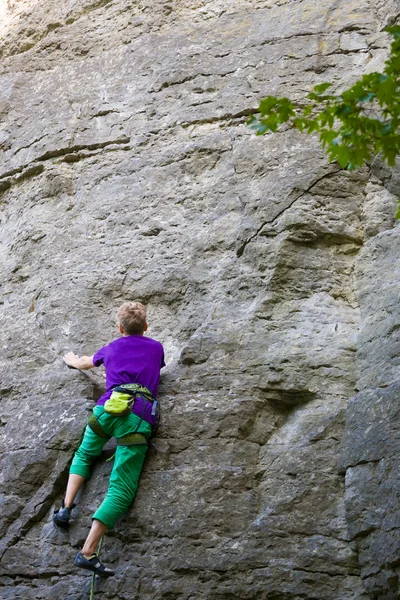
[(131, 439), (95, 426), (134, 389), (154, 408)]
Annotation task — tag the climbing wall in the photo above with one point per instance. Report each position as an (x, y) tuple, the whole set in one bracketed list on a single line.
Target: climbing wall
[(270, 275)]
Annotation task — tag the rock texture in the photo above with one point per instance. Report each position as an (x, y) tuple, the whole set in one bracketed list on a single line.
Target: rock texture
[(127, 171), (370, 442)]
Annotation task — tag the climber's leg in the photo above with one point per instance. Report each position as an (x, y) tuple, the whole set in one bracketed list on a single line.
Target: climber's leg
[(97, 531), (123, 484), (88, 559), (74, 484), (91, 447)]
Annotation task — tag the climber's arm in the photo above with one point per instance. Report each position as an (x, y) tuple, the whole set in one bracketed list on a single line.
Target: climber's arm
[(78, 362)]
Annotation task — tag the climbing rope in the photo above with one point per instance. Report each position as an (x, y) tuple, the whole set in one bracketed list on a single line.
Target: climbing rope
[(91, 596)]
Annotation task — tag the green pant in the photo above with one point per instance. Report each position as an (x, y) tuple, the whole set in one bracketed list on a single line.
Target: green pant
[(127, 466)]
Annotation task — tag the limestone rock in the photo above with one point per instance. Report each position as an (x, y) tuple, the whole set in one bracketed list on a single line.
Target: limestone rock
[(370, 451), (271, 276)]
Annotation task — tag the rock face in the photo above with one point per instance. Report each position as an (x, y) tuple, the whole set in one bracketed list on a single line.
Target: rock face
[(370, 445), (127, 172)]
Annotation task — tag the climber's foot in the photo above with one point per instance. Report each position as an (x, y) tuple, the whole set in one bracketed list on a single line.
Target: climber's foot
[(62, 515), (92, 563)]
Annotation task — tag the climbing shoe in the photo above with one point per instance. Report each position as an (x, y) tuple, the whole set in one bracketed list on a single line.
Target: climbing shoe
[(62, 515), (92, 564)]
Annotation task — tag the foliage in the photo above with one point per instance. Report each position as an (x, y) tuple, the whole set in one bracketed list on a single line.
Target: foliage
[(352, 126)]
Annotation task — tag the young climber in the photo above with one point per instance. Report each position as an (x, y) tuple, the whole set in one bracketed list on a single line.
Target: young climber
[(127, 413)]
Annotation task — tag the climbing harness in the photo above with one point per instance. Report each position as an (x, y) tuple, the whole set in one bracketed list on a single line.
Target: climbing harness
[(123, 398), (130, 392), (123, 401), (129, 439), (96, 427), (127, 398)]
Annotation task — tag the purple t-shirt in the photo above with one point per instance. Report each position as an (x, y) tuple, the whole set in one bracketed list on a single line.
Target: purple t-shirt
[(131, 359)]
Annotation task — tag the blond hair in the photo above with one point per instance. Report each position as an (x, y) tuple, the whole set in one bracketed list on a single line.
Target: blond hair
[(132, 317)]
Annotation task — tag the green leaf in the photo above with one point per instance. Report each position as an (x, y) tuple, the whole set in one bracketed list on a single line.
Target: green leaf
[(394, 30), (367, 97), (321, 87), (343, 156), (284, 110), (261, 129), (312, 126), (327, 136), (343, 110), (300, 123), (387, 128), (267, 104)]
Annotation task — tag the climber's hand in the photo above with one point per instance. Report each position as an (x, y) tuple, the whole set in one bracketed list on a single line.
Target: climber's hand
[(71, 359), (78, 362)]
